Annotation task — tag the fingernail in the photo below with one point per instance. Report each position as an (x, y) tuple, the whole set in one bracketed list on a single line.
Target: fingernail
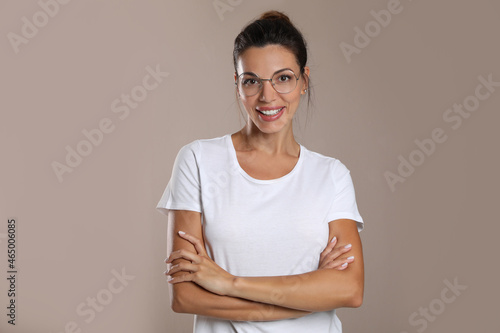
[(333, 239), (344, 265), (182, 233), (350, 258), (170, 278), (348, 246)]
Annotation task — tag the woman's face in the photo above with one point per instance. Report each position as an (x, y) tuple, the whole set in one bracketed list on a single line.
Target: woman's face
[(266, 61)]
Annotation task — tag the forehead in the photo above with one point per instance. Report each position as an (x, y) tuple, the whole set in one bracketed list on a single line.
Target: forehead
[(266, 60)]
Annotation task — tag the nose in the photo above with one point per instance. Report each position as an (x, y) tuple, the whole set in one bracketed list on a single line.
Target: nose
[(267, 92)]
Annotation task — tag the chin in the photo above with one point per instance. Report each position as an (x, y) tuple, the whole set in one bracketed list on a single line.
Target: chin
[(270, 128)]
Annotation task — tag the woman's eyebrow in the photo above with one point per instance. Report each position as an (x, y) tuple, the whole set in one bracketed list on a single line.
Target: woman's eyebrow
[(279, 70)]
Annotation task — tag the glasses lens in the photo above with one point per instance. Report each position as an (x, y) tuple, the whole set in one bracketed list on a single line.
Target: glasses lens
[(249, 84), (284, 81)]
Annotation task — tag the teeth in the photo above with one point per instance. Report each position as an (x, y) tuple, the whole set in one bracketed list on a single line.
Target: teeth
[(271, 112)]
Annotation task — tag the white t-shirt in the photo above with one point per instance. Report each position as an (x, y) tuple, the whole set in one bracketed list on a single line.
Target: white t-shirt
[(258, 227)]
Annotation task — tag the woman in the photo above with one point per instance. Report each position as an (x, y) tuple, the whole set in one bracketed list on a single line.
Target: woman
[(263, 233)]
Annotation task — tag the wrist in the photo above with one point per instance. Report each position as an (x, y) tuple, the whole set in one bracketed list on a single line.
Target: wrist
[(235, 286)]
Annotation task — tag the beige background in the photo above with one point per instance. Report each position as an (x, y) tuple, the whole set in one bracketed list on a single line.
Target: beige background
[(72, 234)]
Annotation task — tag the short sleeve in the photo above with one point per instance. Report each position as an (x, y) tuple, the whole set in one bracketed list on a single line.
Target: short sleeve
[(344, 203), (183, 191)]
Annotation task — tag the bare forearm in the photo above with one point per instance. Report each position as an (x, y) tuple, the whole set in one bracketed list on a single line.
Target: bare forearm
[(190, 298), (320, 290)]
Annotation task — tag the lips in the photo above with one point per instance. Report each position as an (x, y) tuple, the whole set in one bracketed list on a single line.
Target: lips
[(270, 113)]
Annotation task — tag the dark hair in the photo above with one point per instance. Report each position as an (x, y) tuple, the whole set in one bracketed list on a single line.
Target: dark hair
[(273, 28)]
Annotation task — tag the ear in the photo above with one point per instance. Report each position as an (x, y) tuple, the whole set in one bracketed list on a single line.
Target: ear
[(305, 84), (235, 83)]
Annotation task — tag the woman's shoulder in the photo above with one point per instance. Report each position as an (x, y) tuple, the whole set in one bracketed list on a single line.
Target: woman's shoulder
[(322, 161), (196, 148), (214, 142), (206, 143)]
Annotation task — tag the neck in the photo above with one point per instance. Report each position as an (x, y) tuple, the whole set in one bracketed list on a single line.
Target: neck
[(279, 143)]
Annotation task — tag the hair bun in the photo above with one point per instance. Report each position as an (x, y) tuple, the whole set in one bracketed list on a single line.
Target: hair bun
[(275, 15)]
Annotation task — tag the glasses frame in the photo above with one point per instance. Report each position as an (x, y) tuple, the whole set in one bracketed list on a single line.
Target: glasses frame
[(261, 83)]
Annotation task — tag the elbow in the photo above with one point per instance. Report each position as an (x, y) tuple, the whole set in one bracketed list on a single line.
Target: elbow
[(177, 306), (349, 297), (178, 303), (355, 299)]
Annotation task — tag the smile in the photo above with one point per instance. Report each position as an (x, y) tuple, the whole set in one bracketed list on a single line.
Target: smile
[(271, 112)]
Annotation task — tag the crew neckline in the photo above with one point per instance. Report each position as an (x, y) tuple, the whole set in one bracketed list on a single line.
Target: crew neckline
[(234, 157)]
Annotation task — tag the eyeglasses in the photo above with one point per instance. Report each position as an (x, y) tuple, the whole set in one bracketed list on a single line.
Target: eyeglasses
[(250, 84)]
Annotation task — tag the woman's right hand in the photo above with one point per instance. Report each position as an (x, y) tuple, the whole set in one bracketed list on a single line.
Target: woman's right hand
[(331, 257)]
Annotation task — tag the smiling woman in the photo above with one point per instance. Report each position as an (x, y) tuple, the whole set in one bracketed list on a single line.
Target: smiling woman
[(263, 233), (271, 107)]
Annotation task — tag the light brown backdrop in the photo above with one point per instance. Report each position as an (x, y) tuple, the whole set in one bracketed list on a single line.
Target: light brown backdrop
[(77, 232)]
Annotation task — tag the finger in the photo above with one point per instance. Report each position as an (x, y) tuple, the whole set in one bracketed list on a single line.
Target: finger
[(180, 278), (169, 260), (345, 263), (328, 248), (195, 241), (330, 253), (334, 257), (337, 252), (184, 254), (182, 267), (334, 254), (343, 266), (331, 245), (338, 264)]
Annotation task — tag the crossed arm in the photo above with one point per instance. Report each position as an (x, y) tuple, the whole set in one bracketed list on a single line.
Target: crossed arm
[(200, 286)]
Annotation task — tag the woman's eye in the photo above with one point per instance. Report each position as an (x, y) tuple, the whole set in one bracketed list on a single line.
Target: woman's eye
[(249, 82), (284, 78)]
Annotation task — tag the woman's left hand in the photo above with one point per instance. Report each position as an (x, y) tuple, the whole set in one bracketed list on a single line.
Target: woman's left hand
[(199, 268), (332, 256)]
